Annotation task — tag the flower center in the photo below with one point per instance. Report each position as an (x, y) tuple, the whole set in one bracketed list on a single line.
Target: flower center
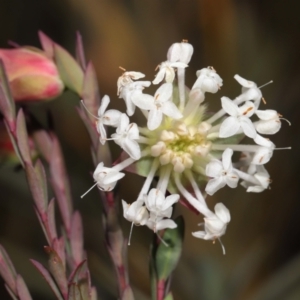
[(181, 145)]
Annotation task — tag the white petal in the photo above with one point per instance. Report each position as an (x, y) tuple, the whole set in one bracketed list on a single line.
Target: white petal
[(164, 92), (169, 201), (171, 110), (263, 142), (229, 106), (123, 123), (150, 200), (104, 103), (112, 177), (200, 235), (154, 119), (214, 168), (232, 180), (101, 130), (229, 127), (255, 189), (132, 148), (268, 127), (267, 114), (130, 107), (222, 212), (99, 168), (226, 159), (135, 75), (214, 185), (159, 76), (262, 156), (248, 127), (133, 131), (244, 82), (143, 101), (112, 117), (166, 223)]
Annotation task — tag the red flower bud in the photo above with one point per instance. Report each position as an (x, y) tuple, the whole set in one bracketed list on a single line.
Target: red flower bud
[(31, 74)]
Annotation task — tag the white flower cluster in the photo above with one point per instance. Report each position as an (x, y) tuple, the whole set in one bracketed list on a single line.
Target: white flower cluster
[(184, 144)]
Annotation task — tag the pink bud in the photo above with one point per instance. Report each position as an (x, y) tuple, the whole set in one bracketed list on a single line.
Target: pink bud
[(31, 74)]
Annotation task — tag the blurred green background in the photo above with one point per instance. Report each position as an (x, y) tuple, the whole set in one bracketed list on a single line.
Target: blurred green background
[(258, 40)]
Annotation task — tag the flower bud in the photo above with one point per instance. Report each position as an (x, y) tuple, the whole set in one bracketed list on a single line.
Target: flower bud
[(31, 74), (181, 52)]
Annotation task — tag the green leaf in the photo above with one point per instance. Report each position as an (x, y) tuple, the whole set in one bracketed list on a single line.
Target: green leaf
[(37, 182), (57, 269), (23, 292), (69, 70), (74, 292), (169, 297), (7, 271), (90, 92), (22, 138), (167, 256), (7, 103), (48, 278)]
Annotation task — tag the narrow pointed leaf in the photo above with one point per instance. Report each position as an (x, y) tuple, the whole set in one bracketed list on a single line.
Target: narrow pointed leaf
[(167, 257), (69, 70), (128, 294), (48, 279), (13, 296), (43, 224), (60, 183), (14, 143), (7, 103), (22, 138), (74, 292), (51, 219), (57, 270), (90, 92), (23, 292), (36, 184), (93, 294), (43, 143), (76, 238), (78, 273), (80, 57), (47, 44), (8, 271), (59, 247)]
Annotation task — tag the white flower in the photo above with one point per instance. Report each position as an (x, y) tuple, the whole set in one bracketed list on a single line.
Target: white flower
[(166, 69), (249, 89), (158, 204), (262, 176), (160, 207), (128, 90), (158, 105), (180, 52), (126, 78), (110, 117), (106, 178), (135, 212), (156, 224), (215, 226), (125, 136), (208, 80), (222, 173), (239, 118), (263, 153), (269, 121)]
